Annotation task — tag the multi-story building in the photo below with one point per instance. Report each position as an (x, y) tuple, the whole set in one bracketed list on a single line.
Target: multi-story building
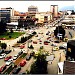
[(32, 10), (6, 13), (54, 10), (43, 17)]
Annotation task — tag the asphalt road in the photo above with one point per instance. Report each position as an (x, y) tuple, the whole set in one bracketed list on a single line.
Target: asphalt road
[(52, 68)]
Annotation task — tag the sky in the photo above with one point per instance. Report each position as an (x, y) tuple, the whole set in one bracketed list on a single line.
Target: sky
[(43, 6)]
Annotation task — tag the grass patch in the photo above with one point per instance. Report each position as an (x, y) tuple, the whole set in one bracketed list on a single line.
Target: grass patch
[(23, 55), (13, 35), (8, 70)]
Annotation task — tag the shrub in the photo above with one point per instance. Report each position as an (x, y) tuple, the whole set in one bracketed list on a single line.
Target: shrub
[(3, 45)]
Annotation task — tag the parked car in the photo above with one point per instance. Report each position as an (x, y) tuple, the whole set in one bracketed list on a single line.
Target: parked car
[(16, 70), (41, 47), (62, 47), (8, 62), (1, 51), (36, 35), (57, 41), (22, 46), (45, 43), (15, 57), (54, 45), (55, 48), (2, 55), (34, 42), (7, 58), (2, 68), (28, 57), (20, 52), (7, 52), (22, 63), (32, 53)]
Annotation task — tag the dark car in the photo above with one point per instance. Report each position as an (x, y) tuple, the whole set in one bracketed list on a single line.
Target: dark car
[(7, 52), (28, 57), (20, 52), (62, 47), (1, 51), (41, 47), (16, 70), (32, 53), (57, 41)]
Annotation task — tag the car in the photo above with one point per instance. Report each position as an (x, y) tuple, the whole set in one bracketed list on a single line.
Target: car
[(2, 68), (62, 47), (7, 52), (8, 62), (34, 42), (36, 35), (55, 48), (22, 63), (45, 43), (16, 70), (41, 47), (15, 57), (1, 51), (2, 55), (22, 46), (40, 41), (32, 53), (7, 58), (57, 41), (20, 52), (28, 57), (54, 45)]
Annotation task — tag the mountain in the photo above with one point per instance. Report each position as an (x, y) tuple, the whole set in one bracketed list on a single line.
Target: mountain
[(67, 8)]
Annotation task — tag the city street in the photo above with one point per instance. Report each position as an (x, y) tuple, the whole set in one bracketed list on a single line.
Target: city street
[(59, 55)]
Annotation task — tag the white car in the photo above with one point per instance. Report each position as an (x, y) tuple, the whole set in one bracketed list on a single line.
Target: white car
[(2, 55), (15, 57), (8, 62)]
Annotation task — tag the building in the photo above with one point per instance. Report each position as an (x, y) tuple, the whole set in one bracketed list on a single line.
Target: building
[(43, 17), (54, 10), (6, 13), (32, 10)]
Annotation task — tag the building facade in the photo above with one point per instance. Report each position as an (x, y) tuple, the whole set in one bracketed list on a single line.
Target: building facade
[(32, 10), (6, 13), (43, 17), (54, 10)]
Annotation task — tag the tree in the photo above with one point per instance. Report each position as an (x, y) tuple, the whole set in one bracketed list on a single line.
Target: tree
[(2, 27), (40, 65), (3, 45)]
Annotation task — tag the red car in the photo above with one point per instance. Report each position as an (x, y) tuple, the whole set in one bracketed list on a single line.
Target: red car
[(22, 46), (22, 63), (7, 58), (40, 41), (34, 42), (45, 43), (2, 68)]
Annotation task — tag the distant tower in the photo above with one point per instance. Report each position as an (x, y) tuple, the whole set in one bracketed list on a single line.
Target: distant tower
[(32, 10), (54, 10)]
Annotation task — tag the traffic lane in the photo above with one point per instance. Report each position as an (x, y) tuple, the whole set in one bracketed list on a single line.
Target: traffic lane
[(27, 65), (59, 57), (2, 62)]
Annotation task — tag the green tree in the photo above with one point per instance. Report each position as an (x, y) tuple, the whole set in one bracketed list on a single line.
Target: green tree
[(40, 65), (3, 45)]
